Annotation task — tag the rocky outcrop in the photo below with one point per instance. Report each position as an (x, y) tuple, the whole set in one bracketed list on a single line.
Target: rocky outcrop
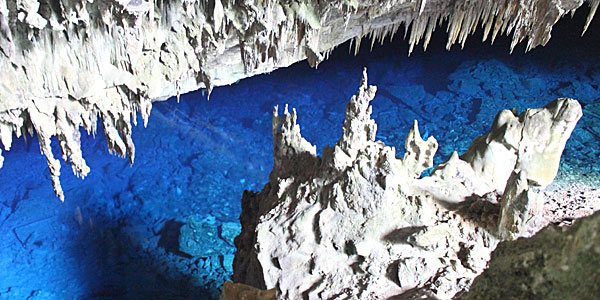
[(521, 206), (359, 223), (518, 157), (67, 63), (532, 142), (238, 291), (557, 263)]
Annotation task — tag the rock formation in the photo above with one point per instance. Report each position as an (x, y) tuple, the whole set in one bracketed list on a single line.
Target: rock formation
[(67, 62), (359, 223), (238, 291), (557, 263)]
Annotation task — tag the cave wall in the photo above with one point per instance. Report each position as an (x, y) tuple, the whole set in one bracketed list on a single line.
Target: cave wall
[(67, 63)]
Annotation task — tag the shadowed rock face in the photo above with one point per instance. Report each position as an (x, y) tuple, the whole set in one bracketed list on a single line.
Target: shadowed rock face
[(358, 223), (238, 291), (67, 62), (557, 263)]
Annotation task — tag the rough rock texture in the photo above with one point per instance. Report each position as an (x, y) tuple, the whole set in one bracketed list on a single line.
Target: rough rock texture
[(557, 263), (67, 62), (238, 291), (520, 206), (358, 223), (532, 142)]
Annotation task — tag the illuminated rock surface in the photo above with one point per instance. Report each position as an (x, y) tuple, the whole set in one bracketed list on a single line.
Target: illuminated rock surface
[(359, 223)]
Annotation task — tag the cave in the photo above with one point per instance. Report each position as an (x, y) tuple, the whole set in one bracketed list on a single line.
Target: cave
[(164, 226)]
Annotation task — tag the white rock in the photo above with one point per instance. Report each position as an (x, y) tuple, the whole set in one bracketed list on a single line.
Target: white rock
[(358, 224), (532, 141), (520, 205)]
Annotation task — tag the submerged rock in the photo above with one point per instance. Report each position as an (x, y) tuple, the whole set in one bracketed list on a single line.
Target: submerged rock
[(358, 223), (203, 237)]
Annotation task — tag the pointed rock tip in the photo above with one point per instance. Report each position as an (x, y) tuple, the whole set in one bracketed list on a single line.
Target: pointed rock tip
[(364, 79)]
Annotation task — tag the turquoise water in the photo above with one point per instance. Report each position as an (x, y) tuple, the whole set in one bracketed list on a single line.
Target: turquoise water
[(117, 234)]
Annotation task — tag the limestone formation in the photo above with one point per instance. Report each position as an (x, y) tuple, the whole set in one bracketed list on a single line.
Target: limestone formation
[(557, 263), (359, 223), (532, 142), (66, 63), (519, 207)]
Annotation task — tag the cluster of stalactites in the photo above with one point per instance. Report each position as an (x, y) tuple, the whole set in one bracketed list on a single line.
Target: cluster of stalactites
[(531, 20)]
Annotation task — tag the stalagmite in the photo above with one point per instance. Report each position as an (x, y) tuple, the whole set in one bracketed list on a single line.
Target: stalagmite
[(359, 223)]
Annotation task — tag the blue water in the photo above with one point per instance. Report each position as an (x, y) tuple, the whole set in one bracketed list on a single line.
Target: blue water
[(116, 235)]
